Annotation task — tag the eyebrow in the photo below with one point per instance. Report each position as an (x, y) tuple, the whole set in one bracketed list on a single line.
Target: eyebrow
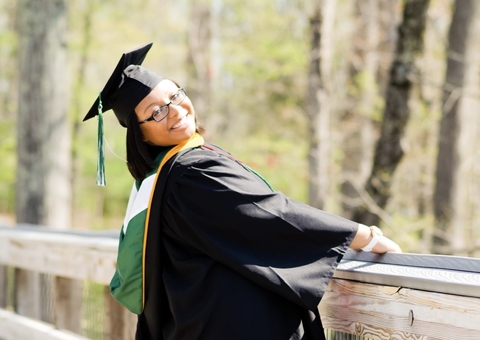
[(175, 90)]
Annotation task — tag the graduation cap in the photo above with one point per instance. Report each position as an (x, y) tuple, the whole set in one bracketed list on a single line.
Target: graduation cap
[(126, 87)]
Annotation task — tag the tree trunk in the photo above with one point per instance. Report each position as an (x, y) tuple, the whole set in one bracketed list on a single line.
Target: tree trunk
[(43, 174), (78, 84), (199, 59), (43, 191), (319, 103), (467, 212), (8, 81), (8, 76), (359, 131), (388, 151), (448, 154)]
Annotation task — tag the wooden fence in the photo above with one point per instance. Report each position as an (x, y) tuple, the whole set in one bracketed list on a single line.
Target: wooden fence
[(393, 296)]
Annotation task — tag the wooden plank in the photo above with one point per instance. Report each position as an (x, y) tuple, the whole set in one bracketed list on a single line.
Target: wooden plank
[(28, 294), (68, 299), (444, 262), (384, 312), (448, 281), (15, 327), (70, 256), (120, 322), (3, 286), (374, 310)]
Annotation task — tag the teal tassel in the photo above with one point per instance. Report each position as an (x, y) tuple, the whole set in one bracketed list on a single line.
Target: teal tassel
[(101, 150)]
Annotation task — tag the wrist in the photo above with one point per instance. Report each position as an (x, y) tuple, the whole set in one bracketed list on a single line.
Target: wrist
[(376, 235)]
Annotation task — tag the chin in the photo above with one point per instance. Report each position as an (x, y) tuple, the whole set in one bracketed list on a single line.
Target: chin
[(186, 135)]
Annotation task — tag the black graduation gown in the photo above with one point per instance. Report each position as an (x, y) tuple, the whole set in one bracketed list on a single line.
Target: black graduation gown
[(235, 260)]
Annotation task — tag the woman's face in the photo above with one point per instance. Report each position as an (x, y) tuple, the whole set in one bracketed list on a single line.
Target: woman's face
[(177, 127)]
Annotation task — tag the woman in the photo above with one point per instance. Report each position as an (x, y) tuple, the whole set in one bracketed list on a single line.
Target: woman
[(215, 253)]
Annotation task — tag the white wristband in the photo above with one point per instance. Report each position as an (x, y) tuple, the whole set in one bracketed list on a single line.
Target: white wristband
[(376, 235)]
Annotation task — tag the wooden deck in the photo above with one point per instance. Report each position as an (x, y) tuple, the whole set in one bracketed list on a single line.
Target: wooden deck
[(394, 296)]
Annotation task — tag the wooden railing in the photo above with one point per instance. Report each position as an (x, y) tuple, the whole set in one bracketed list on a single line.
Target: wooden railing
[(404, 296), (68, 256), (393, 296)]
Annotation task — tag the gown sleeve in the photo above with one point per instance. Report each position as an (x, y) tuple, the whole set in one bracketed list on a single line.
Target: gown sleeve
[(231, 215)]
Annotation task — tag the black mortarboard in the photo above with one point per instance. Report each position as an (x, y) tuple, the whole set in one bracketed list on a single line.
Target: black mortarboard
[(126, 87)]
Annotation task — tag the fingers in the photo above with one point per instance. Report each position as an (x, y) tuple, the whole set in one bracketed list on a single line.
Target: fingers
[(385, 245)]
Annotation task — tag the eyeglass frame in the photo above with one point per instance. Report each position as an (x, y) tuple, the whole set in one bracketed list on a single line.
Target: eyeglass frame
[(152, 117)]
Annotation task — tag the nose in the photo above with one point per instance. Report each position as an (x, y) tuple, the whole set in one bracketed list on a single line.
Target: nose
[(174, 110)]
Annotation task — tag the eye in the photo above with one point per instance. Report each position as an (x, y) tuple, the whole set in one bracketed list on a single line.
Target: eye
[(175, 96), (156, 111)]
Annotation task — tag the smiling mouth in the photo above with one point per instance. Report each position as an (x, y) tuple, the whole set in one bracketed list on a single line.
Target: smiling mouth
[(180, 123)]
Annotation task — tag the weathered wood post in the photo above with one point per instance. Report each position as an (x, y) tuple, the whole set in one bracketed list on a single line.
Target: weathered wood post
[(43, 192), (121, 323), (3, 286)]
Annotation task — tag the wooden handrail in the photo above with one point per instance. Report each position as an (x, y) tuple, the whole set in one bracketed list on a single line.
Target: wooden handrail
[(404, 296), (75, 255), (399, 296), (14, 326), (68, 256), (439, 273)]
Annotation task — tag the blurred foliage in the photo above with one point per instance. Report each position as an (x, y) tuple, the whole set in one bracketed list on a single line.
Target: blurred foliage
[(282, 163), (260, 59), (8, 45), (93, 310), (7, 166), (364, 84), (268, 67)]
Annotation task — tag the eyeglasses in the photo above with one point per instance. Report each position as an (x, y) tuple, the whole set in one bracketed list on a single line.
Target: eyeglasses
[(161, 112)]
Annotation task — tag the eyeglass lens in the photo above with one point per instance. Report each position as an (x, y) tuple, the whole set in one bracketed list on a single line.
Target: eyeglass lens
[(163, 111)]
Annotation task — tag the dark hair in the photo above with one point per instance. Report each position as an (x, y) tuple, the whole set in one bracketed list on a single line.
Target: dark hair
[(141, 155)]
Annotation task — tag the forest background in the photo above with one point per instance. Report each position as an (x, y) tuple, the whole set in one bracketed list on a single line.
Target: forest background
[(305, 92)]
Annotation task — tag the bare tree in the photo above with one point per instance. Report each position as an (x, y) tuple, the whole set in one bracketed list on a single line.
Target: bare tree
[(467, 202), (87, 36), (319, 101), (43, 192), (360, 132), (388, 151), (199, 57), (8, 81), (43, 174), (448, 157)]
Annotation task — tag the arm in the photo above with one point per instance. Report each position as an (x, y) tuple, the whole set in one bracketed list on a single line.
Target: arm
[(364, 236), (227, 214)]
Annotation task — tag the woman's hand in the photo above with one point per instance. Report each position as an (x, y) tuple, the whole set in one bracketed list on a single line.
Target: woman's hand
[(385, 245), (364, 236)]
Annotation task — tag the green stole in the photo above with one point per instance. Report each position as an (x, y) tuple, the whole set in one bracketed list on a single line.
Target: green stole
[(128, 283)]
